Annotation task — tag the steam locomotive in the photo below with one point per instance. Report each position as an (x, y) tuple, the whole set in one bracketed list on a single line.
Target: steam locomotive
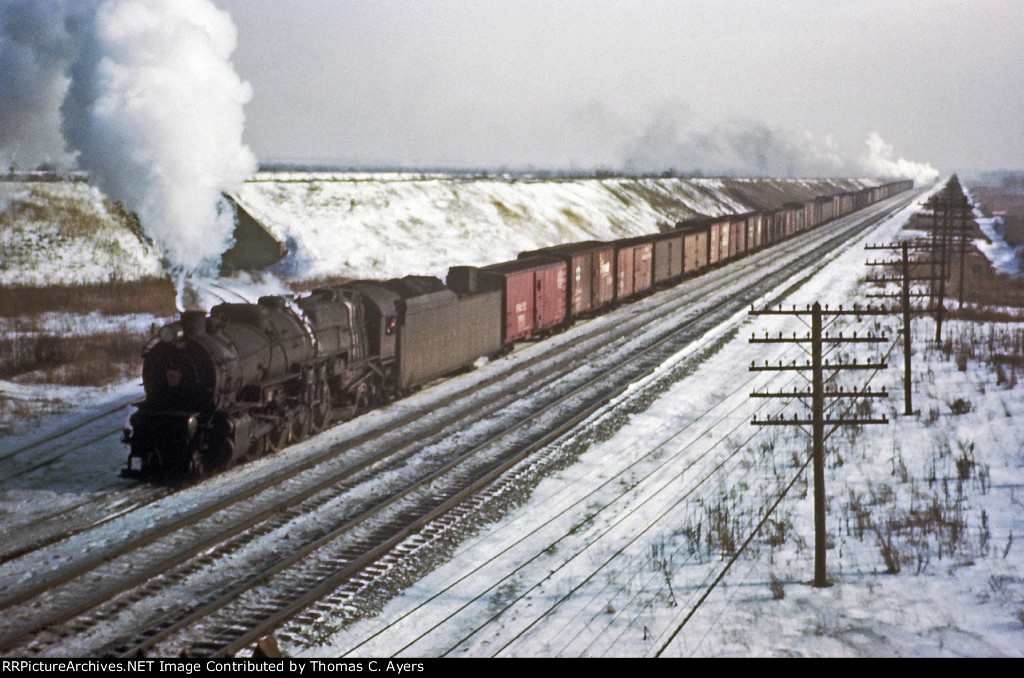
[(244, 380)]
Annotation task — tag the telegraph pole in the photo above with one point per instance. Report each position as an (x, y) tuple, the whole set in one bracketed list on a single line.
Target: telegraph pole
[(954, 205), (905, 280), (818, 420)]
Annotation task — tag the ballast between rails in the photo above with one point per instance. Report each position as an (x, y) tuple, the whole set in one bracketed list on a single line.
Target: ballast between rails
[(244, 380)]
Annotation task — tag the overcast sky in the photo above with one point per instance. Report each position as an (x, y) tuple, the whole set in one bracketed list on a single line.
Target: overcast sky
[(581, 83)]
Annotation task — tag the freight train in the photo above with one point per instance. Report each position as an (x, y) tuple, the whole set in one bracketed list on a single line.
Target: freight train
[(245, 380)]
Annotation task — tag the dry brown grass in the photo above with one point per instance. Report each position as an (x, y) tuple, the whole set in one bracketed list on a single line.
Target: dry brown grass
[(983, 285), (150, 295), (91, 360)]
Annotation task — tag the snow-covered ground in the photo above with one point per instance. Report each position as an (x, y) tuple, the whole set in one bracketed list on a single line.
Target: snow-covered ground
[(1005, 258), (612, 556), (66, 233)]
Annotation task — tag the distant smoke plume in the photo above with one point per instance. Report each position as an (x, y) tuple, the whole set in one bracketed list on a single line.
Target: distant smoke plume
[(151, 106), (879, 162), (674, 139), (735, 147)]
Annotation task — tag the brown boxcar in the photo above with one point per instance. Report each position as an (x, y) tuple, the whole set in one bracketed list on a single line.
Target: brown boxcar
[(666, 255), (533, 293), (825, 207), (809, 221), (591, 274), (775, 226), (695, 243), (751, 231), (737, 236), (718, 238), (633, 267), (792, 214), (695, 250)]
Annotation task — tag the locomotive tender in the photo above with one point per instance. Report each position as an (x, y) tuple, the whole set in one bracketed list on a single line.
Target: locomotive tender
[(247, 379)]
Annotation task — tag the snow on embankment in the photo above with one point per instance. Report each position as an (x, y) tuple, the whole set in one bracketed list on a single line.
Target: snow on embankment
[(1005, 258), (381, 226), (374, 225), (67, 233)]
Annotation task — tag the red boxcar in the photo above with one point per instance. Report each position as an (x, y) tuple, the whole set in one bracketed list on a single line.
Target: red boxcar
[(533, 293), (633, 267), (591, 274)]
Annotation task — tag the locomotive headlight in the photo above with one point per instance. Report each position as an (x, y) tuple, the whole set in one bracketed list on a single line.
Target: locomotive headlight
[(169, 333), (193, 425)]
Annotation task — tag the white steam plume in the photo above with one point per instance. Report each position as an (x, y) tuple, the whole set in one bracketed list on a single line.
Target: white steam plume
[(878, 161), (155, 111), (38, 41), (145, 94)]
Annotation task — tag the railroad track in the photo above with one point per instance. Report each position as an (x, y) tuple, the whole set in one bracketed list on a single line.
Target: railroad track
[(36, 445), (410, 509)]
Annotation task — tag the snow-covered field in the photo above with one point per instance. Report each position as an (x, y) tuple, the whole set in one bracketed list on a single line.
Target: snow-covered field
[(611, 556)]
